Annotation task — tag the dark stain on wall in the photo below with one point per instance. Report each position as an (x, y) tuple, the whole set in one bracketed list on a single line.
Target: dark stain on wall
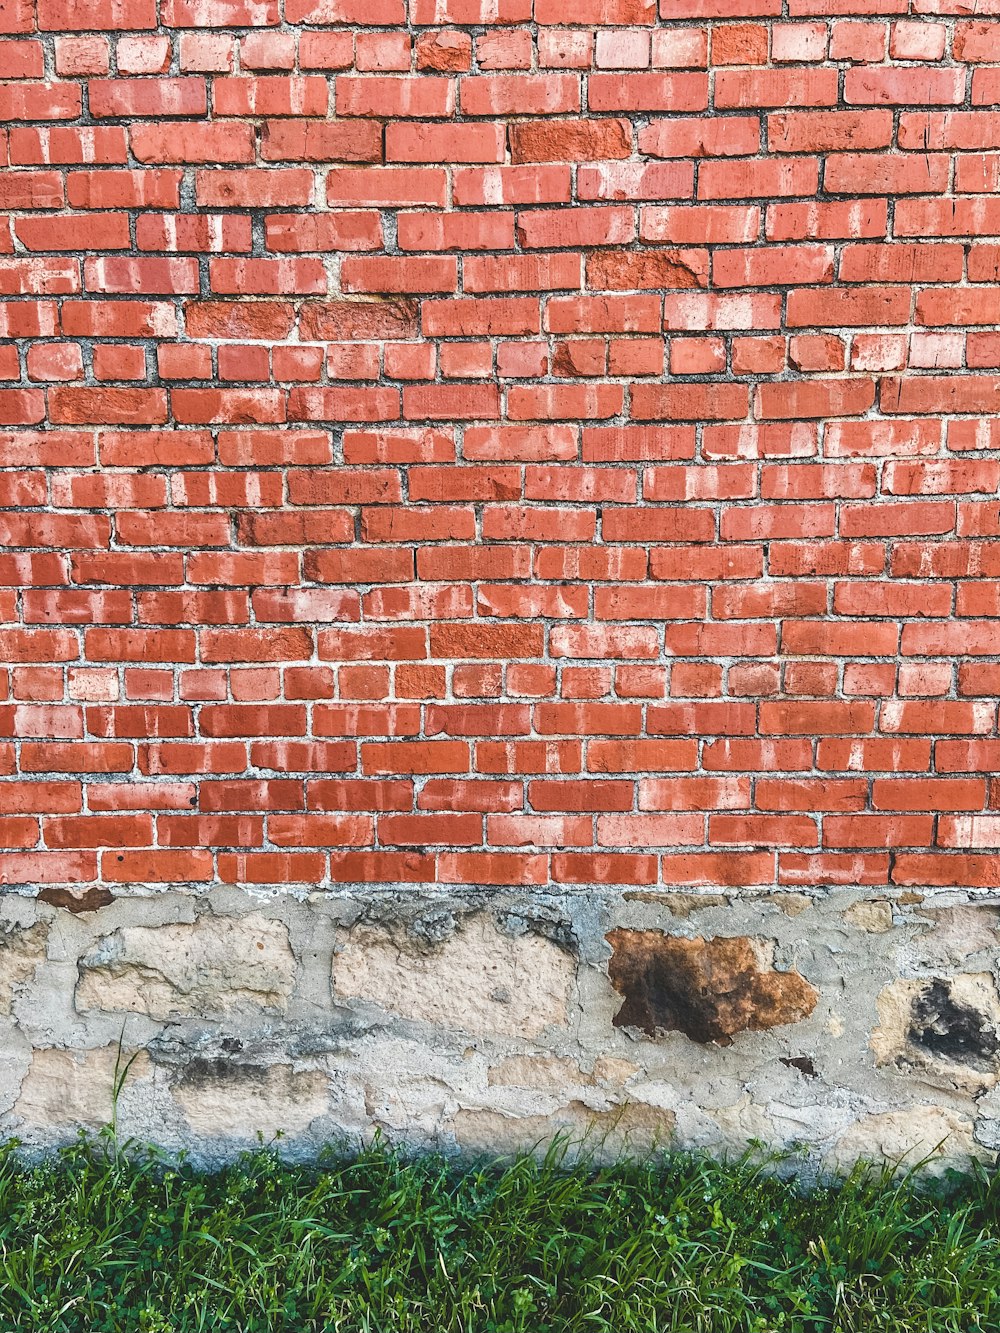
[(951, 1030), (708, 989)]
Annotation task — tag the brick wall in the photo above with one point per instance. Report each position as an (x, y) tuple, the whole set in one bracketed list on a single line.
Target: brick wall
[(450, 442)]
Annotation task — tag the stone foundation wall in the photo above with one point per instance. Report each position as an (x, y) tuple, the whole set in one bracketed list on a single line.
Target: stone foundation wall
[(487, 1021)]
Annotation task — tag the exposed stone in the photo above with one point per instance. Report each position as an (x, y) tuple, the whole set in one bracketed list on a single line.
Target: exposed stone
[(945, 1026), (21, 950), (74, 1087), (465, 1018), (874, 917), (544, 1073), (224, 1099), (958, 932), (217, 965), (611, 1069), (907, 1138), (634, 1128), (948, 1028), (792, 904), (708, 989), (680, 905), (479, 980)]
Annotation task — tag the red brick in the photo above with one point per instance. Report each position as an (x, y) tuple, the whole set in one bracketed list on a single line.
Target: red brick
[(391, 97), (920, 87), (511, 185), (828, 131), (123, 189), (154, 97), (570, 140), (445, 50), (271, 95), (647, 92), (635, 180), (476, 577), (302, 140), (783, 177), (39, 101), (388, 186), (444, 143), (735, 136), (775, 88), (877, 831), (780, 266), (864, 173), (282, 187), (519, 94), (222, 141)]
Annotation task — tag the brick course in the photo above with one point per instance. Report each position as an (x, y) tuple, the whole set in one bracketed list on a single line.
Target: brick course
[(465, 442)]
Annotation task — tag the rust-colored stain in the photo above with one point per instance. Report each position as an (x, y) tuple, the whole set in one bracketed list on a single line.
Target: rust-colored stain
[(76, 900), (707, 989)]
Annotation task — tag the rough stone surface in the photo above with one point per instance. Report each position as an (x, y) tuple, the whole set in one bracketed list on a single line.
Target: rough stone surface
[(21, 950), (604, 1135), (946, 1028), (64, 1088), (959, 933), (213, 966), (224, 1099), (707, 989), (923, 1133), (479, 980), (875, 917), (485, 1021)]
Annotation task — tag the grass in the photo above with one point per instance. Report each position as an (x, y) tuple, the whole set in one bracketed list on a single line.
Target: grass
[(97, 1239)]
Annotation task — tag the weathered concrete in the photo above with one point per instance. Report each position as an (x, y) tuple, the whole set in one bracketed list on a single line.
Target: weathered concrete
[(484, 1021)]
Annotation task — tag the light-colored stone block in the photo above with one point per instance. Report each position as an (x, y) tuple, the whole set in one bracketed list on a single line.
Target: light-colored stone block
[(64, 1088), (223, 1099), (480, 980), (214, 966), (21, 950)]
